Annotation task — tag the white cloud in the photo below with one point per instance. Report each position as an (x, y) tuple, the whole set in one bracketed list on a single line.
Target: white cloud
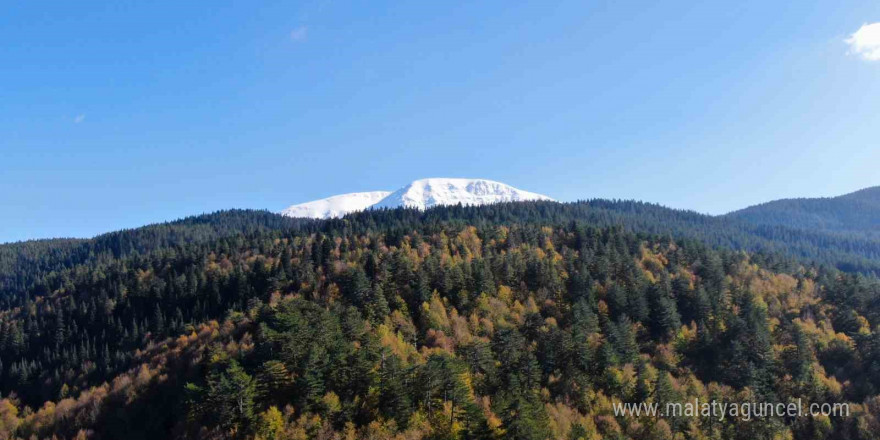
[(299, 34), (865, 42), (79, 118)]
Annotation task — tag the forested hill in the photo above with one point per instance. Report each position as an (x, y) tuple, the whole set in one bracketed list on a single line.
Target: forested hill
[(513, 321), (23, 264), (857, 212)]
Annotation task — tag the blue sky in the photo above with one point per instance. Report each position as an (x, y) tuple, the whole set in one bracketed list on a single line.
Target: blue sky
[(117, 114)]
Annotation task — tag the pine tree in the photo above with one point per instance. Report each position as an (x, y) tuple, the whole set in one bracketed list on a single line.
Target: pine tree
[(665, 320), (158, 321), (274, 383)]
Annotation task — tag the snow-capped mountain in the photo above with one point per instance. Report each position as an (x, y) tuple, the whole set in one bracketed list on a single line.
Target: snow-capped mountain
[(426, 193), (421, 194), (336, 206)]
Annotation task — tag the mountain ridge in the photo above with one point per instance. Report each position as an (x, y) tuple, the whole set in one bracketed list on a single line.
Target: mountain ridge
[(855, 211)]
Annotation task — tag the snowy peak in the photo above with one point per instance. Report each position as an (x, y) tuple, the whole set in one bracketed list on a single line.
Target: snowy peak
[(336, 206), (427, 193), (421, 194)]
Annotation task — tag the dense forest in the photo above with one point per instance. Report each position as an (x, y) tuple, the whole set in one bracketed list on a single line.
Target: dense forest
[(857, 212), (855, 250), (520, 321)]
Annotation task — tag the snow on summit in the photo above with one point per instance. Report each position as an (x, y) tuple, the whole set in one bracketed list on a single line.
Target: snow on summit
[(427, 193), (420, 194)]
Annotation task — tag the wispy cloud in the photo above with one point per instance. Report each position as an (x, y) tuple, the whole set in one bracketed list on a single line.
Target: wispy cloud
[(865, 42), (79, 118), (299, 34)]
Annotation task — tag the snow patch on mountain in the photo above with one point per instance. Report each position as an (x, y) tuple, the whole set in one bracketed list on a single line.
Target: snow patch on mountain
[(336, 206)]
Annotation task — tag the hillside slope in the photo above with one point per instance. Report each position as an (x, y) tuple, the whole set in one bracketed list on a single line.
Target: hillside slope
[(25, 266), (518, 321), (855, 212)]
